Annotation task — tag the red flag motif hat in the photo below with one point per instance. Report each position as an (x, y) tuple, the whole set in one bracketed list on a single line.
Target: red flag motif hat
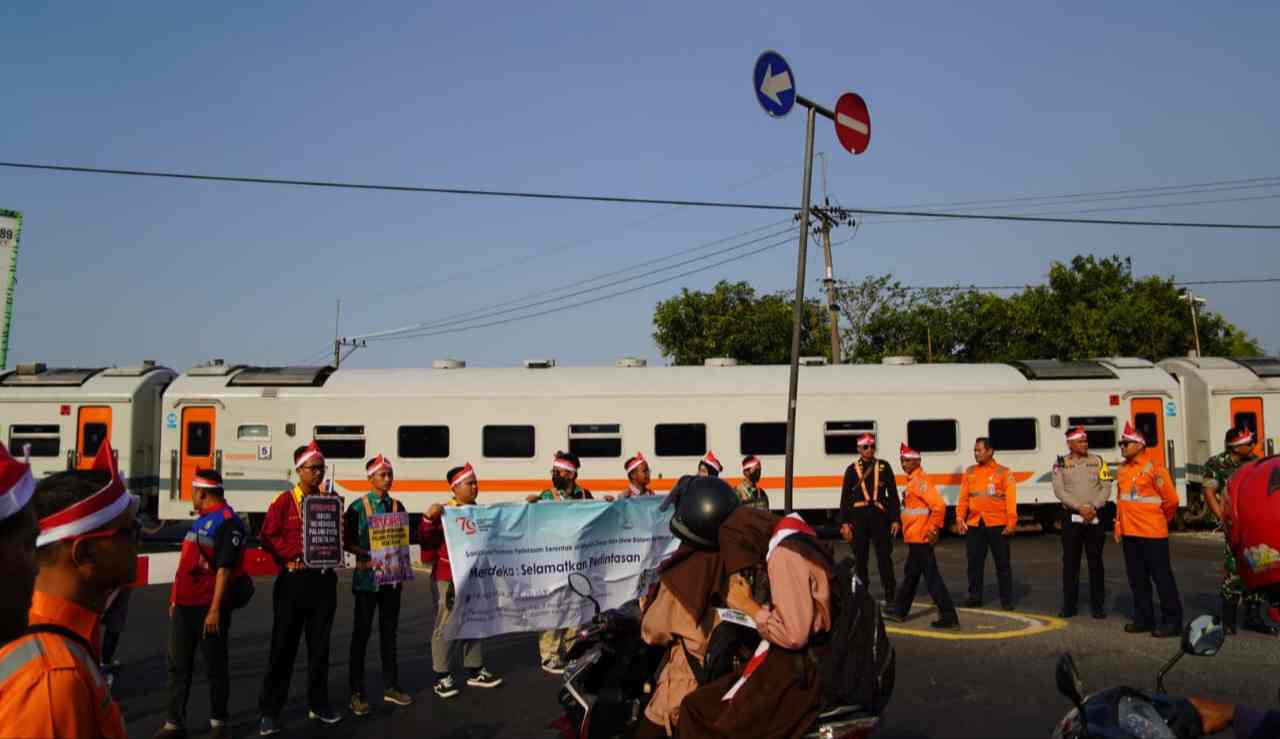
[(751, 463), (466, 473), (377, 463), (907, 452), (93, 512), (867, 439), (16, 484), (1077, 433), (1131, 434), (634, 462), (1241, 436), (710, 460), (311, 452)]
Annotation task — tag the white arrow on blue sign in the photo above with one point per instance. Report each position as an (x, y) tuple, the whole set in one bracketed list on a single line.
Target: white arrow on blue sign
[(774, 84)]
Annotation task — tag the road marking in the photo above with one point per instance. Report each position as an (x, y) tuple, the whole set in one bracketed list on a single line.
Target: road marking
[(1035, 624)]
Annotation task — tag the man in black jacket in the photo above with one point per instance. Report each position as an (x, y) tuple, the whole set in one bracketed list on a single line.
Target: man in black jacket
[(869, 513)]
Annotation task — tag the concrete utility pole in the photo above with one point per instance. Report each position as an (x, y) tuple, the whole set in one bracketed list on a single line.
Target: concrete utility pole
[(831, 217), (1192, 301)]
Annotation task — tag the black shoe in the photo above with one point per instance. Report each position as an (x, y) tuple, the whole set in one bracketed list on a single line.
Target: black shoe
[(1254, 620), (170, 730), (1230, 615), (972, 602), (1166, 631), (893, 614), (1136, 628), (946, 622), (1099, 613), (1067, 613)]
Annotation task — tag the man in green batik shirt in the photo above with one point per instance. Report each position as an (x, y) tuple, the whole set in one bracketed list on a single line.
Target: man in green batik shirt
[(1217, 472), (553, 644), (369, 596)]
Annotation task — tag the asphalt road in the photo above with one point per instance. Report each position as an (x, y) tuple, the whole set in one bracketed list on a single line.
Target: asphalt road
[(997, 681)]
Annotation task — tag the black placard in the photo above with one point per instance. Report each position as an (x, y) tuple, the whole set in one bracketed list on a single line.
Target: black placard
[(322, 531)]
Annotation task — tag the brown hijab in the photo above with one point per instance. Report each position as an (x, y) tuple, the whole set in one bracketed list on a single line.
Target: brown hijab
[(744, 538)]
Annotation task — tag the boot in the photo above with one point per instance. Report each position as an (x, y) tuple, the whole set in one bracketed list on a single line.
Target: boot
[(1230, 612), (1254, 620)]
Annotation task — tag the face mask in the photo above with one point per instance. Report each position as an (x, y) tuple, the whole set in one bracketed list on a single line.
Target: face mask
[(560, 482)]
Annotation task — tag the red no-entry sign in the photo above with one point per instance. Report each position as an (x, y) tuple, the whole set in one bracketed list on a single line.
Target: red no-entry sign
[(853, 123)]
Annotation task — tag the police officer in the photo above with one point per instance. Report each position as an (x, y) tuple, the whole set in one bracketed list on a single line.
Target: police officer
[(869, 513), (1218, 470), (749, 490), (1145, 503), (987, 514), (1082, 482)]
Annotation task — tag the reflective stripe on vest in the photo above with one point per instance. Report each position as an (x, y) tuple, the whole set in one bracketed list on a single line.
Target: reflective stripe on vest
[(18, 657), (915, 511), (1143, 500)]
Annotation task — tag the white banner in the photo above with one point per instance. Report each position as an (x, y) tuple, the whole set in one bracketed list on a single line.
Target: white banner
[(511, 562), (10, 230)]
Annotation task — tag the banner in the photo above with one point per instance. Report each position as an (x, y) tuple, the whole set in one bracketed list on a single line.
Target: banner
[(511, 562), (389, 548), (322, 531), (10, 231)]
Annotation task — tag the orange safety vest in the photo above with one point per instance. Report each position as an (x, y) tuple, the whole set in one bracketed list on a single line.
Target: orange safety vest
[(923, 510), (1146, 498), (988, 494), (50, 685)]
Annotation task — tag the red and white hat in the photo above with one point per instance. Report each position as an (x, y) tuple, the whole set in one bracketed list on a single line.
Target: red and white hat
[(1240, 437), (466, 472), (1130, 434), (311, 452), (752, 462), (1077, 433), (16, 484), (206, 480), (907, 452), (709, 459), (635, 462), (562, 462), (867, 439), (377, 463), (93, 512)]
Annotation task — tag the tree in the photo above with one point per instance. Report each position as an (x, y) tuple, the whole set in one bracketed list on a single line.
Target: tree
[(732, 321)]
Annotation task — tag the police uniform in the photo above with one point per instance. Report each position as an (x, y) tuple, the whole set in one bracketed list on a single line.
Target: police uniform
[(1079, 482), (869, 503)]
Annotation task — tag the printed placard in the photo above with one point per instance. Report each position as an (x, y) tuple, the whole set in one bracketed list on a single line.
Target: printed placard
[(322, 531), (389, 548)]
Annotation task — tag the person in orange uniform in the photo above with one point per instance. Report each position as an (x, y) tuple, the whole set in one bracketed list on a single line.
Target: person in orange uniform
[(304, 601), (1145, 503), (987, 514), (18, 532), (87, 548), (924, 513)]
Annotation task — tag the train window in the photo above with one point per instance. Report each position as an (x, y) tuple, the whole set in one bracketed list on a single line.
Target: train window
[(1101, 430), (420, 442), (841, 437), (508, 441), (199, 435), (1147, 426), (1012, 434), (595, 439), (1248, 419), (932, 436), (762, 438), (253, 432), (680, 439), (340, 442), (45, 441)]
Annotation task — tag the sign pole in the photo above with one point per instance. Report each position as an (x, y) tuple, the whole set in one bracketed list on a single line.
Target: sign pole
[(789, 499)]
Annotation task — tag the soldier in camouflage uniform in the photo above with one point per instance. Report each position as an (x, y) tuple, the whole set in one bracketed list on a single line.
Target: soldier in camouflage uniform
[(1217, 471), (749, 491)]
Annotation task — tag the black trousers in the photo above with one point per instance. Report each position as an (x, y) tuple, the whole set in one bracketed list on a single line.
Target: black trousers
[(1089, 539), (1147, 561), (386, 602), (977, 541), (871, 526), (921, 562), (186, 636), (303, 602)]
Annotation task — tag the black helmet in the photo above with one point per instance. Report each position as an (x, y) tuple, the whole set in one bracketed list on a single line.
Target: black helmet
[(702, 504)]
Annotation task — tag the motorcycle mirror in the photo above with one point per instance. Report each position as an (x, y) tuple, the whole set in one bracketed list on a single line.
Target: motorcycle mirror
[(583, 589), (1204, 636), (1069, 683)]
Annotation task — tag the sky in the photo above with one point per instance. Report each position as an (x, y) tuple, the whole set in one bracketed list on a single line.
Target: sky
[(972, 102)]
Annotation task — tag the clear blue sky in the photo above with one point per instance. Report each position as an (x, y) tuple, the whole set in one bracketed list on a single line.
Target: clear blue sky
[(993, 100)]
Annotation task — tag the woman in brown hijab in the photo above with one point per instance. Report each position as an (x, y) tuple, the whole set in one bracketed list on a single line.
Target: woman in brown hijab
[(777, 696)]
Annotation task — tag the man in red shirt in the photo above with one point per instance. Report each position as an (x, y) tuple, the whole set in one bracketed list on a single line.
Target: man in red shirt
[(304, 600)]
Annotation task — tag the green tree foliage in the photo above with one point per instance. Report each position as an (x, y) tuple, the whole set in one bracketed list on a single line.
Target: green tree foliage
[(1089, 308), (733, 321)]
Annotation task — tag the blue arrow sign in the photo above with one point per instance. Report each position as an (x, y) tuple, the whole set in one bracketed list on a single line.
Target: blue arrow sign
[(774, 84)]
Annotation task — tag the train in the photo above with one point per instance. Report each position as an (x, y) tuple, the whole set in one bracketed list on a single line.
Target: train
[(246, 421)]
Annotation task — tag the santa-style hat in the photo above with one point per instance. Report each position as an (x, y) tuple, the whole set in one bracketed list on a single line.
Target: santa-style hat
[(377, 463), (1130, 434), (709, 459), (93, 512), (1240, 436), (907, 452), (207, 480), (634, 462), (1077, 433), (752, 462), (16, 484), (564, 462), (867, 439), (464, 473), (312, 451)]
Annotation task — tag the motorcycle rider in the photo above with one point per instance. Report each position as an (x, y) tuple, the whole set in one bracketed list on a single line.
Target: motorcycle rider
[(679, 613)]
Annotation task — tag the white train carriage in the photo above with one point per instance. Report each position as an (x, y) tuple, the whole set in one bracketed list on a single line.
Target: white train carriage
[(63, 414), (508, 422)]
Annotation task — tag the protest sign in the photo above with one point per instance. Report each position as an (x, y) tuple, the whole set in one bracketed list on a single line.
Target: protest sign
[(389, 548), (322, 531)]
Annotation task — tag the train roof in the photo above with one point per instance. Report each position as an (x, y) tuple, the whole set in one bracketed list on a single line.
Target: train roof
[(1234, 374), (1114, 375), (36, 381)]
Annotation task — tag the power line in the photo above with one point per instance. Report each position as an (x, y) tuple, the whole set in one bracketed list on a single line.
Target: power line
[(1179, 283), (1131, 193), (1105, 210), (623, 199)]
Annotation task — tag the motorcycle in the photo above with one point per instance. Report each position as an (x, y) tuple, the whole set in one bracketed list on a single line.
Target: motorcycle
[(611, 671), (1130, 713)]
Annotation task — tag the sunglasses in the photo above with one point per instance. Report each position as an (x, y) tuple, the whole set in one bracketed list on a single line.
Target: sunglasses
[(866, 446)]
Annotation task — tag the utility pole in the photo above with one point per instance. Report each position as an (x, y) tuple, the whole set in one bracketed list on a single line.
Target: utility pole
[(337, 343), (830, 217), (1192, 301)]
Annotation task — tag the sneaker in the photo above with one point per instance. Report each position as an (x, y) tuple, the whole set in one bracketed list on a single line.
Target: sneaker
[(482, 678), (445, 687), (397, 697), (359, 706), (170, 730), (325, 715), (267, 726), (553, 665)]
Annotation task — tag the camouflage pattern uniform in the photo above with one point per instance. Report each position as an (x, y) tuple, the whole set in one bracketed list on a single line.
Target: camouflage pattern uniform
[(1220, 468), (751, 495)]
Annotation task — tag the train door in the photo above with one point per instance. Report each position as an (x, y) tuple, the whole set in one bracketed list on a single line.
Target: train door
[(93, 426), (1248, 412), (1148, 419), (198, 427)]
